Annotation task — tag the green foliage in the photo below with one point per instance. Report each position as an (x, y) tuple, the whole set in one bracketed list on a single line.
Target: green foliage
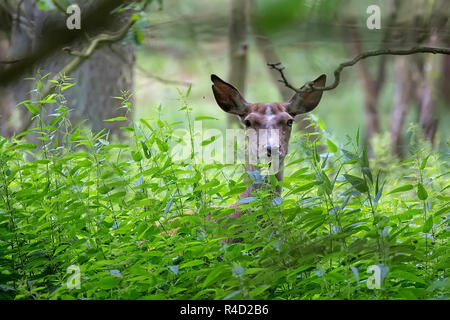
[(81, 199), (280, 15)]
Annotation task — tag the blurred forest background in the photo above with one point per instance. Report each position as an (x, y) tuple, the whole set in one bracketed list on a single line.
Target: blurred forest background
[(172, 45), (138, 225)]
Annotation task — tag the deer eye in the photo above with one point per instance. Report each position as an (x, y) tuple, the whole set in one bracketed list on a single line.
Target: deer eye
[(247, 123), (290, 122)]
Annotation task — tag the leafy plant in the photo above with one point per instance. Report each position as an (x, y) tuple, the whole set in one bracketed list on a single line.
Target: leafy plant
[(140, 226)]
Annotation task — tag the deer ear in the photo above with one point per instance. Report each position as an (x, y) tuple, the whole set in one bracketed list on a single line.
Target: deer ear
[(228, 97), (306, 101)]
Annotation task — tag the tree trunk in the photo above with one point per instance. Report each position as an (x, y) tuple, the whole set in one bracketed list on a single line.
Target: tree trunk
[(428, 112), (403, 95), (445, 84), (372, 88), (6, 101), (417, 77), (5, 98), (102, 76), (238, 48)]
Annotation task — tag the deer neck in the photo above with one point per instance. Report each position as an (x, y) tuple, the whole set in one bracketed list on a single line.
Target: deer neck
[(256, 185)]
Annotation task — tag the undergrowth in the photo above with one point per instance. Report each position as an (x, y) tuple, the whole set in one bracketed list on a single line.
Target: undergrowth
[(79, 203)]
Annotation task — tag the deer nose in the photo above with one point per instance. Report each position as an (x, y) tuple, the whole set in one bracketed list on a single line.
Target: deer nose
[(270, 148)]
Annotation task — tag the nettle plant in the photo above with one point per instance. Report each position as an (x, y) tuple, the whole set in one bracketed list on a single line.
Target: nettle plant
[(82, 201)]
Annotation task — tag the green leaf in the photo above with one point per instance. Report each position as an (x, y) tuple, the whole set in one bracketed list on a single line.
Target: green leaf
[(70, 85), (333, 148), (32, 108), (116, 119), (75, 135), (205, 118), (257, 291), (424, 163), (213, 275), (192, 263), (136, 156), (55, 120), (428, 225), (365, 159), (402, 189), (211, 184), (109, 282), (304, 187), (138, 36), (146, 124), (131, 129), (326, 183), (147, 152), (188, 92), (421, 192), (357, 137), (358, 183), (162, 146), (321, 124), (24, 146), (442, 211), (49, 99), (208, 141), (379, 193)]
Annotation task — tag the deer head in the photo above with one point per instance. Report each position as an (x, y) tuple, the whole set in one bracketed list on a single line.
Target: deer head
[(276, 119)]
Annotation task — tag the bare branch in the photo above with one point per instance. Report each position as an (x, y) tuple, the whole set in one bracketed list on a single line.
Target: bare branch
[(9, 61), (94, 43), (60, 7), (364, 55), (163, 80), (337, 73), (148, 74), (279, 67)]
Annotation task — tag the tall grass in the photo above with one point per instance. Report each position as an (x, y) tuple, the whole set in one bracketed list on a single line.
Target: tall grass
[(80, 199)]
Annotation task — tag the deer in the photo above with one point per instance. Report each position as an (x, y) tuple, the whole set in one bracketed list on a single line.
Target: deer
[(273, 117)]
